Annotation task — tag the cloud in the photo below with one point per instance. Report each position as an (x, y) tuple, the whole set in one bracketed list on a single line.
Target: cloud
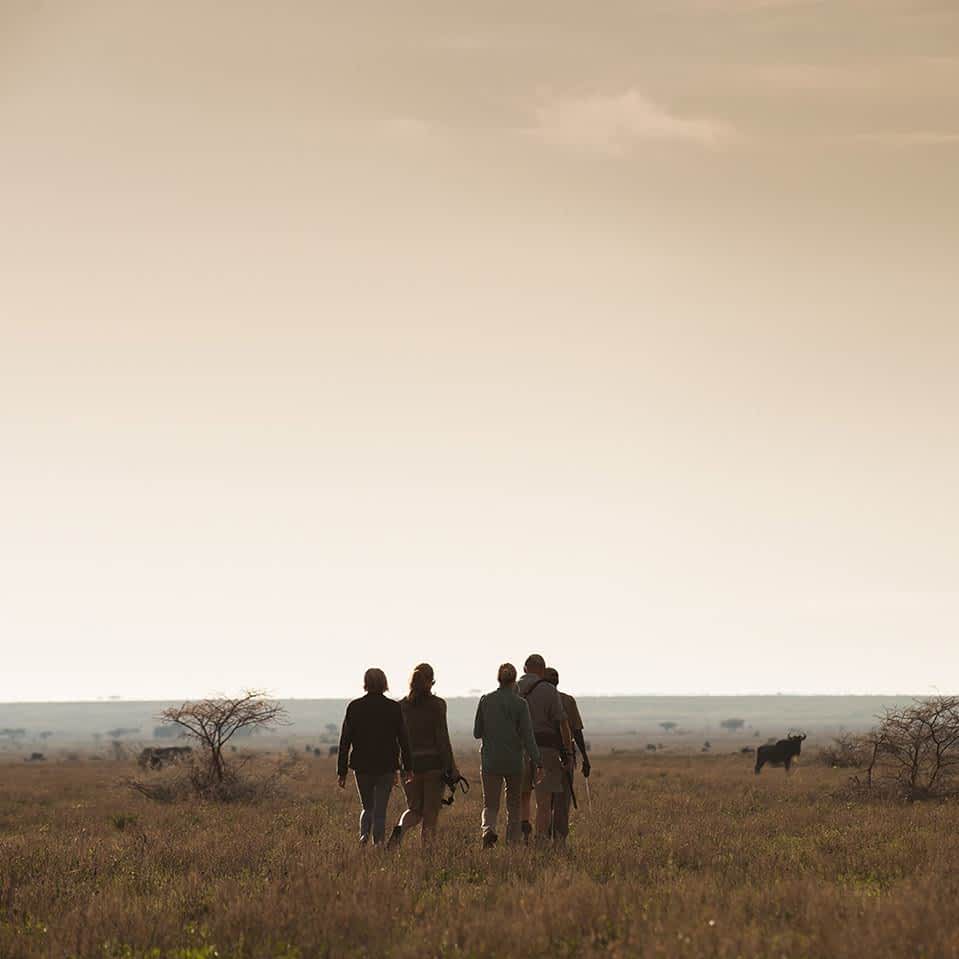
[(619, 123)]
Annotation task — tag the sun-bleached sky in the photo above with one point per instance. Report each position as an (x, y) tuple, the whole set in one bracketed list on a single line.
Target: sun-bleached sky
[(336, 335)]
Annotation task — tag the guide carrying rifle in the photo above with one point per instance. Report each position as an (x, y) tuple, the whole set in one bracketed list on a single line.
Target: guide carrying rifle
[(568, 769), (561, 803)]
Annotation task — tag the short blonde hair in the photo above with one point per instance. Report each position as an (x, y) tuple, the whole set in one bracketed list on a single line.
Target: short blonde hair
[(374, 681)]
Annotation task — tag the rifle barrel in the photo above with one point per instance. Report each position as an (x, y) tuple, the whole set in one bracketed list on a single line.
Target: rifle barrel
[(572, 792)]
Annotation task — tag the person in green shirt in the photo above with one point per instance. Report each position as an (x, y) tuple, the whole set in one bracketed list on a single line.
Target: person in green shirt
[(503, 724)]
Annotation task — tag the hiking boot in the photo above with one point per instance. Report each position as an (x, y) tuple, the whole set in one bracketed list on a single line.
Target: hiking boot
[(395, 837), (489, 840)]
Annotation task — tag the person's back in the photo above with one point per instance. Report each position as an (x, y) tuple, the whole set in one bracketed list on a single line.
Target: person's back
[(425, 719), (551, 728), (545, 708), (424, 716), (375, 726), (372, 742), (503, 724)]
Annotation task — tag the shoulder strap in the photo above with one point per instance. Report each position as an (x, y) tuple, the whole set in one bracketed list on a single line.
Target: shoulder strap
[(526, 695)]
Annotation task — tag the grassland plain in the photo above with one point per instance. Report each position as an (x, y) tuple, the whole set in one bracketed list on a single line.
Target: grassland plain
[(680, 856)]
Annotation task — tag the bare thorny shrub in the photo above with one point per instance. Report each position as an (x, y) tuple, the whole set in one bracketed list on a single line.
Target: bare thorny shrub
[(846, 751), (212, 723), (913, 752)]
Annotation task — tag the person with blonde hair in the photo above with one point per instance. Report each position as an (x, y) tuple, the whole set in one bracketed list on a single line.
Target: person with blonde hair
[(432, 756), (374, 744)]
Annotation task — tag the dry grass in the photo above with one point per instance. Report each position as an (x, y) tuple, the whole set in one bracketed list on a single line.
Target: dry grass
[(680, 857)]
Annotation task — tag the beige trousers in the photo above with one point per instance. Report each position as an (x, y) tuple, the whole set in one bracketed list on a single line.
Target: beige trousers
[(424, 797), (492, 793)]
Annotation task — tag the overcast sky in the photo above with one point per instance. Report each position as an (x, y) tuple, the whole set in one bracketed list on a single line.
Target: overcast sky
[(337, 335)]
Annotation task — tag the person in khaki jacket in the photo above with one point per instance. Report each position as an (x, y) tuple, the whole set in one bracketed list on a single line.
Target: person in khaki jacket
[(551, 730), (432, 755), (561, 801)]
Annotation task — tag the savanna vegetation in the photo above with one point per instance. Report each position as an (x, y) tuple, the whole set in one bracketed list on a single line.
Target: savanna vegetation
[(680, 856)]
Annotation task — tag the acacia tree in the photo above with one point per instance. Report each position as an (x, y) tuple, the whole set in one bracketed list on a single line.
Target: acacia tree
[(921, 744), (213, 722), (913, 752)]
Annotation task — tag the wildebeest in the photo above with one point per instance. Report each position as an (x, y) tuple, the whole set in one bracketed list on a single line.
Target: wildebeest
[(334, 751), (156, 757), (781, 753)]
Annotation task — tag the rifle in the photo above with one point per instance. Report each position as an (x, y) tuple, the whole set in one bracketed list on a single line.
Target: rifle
[(567, 769)]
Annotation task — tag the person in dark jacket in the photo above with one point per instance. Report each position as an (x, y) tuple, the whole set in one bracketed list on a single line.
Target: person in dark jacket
[(425, 717), (374, 744)]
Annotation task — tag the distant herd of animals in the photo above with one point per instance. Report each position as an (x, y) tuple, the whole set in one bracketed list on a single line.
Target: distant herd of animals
[(156, 757), (779, 753)]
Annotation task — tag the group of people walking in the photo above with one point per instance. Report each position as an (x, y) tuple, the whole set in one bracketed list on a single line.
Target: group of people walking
[(531, 735)]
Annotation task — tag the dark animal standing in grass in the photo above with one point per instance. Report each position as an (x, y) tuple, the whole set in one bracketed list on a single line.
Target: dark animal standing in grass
[(781, 753)]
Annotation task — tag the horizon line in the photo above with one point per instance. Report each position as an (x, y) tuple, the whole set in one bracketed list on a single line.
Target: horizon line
[(105, 701)]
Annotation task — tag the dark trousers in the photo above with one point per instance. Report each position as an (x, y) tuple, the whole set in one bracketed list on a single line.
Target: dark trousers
[(374, 790)]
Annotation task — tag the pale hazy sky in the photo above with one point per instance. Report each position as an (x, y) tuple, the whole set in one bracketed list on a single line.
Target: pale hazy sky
[(338, 335)]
